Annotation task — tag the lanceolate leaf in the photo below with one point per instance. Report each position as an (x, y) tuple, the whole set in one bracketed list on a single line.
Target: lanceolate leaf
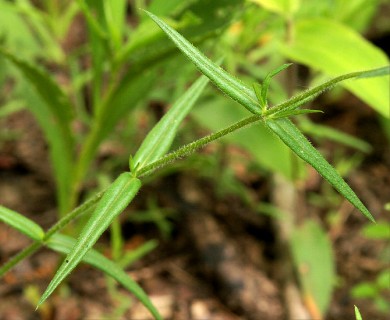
[(267, 81), (282, 127), (298, 143), (283, 7), (231, 86), (297, 112), (21, 223), (160, 138), (91, 20), (113, 202), (64, 244), (115, 13), (312, 252), (358, 315)]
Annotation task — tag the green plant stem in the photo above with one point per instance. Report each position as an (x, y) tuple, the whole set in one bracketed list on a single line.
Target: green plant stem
[(193, 146), (26, 252), (36, 245), (82, 209), (310, 94)]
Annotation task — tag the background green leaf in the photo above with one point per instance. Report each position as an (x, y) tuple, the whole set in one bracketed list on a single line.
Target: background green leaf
[(115, 14), (312, 252), (47, 89), (335, 49), (53, 110), (160, 138), (283, 7), (124, 99), (17, 38), (380, 230)]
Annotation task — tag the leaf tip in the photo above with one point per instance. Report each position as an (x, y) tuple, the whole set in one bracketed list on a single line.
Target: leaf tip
[(41, 301), (148, 13), (371, 218), (366, 213)]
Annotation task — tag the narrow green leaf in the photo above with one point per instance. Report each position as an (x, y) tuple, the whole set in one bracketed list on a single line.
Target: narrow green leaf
[(321, 131), (98, 43), (298, 143), (91, 20), (334, 48), (282, 7), (267, 81), (64, 244), (257, 89), (303, 111), (61, 155), (113, 202), (379, 72), (160, 138), (123, 100), (21, 223), (296, 112), (53, 111), (47, 89), (129, 257), (115, 13), (19, 37), (283, 128), (358, 316), (231, 86), (147, 44), (312, 253)]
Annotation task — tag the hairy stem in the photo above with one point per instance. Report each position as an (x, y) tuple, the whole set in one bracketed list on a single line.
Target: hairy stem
[(36, 245), (82, 209), (26, 252), (310, 94), (193, 146)]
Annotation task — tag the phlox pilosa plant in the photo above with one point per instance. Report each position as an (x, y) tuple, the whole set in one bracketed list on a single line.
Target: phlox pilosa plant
[(153, 154)]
